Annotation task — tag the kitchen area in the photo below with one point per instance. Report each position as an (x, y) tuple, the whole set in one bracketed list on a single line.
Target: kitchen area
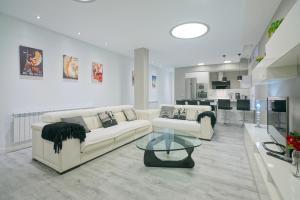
[(205, 85)]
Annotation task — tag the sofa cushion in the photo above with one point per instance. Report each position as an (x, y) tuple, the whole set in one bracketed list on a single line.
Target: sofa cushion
[(183, 125), (103, 134), (76, 120), (130, 114), (179, 113), (107, 119), (192, 114), (167, 112), (120, 117), (92, 122)]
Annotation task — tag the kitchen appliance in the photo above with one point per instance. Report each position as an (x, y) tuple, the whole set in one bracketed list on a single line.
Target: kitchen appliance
[(220, 84)]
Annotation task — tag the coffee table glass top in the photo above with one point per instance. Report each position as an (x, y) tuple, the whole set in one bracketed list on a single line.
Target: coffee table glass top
[(165, 139)]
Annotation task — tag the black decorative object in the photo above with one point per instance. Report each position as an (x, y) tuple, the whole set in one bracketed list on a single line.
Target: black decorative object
[(168, 141), (61, 131), (150, 159)]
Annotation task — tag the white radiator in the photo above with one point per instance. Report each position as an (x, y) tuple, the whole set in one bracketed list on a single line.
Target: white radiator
[(22, 126)]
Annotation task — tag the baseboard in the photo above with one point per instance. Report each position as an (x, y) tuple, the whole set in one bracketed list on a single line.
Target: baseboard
[(18, 147)]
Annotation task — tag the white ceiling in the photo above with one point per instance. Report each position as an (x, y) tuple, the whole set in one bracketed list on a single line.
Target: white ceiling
[(128, 24)]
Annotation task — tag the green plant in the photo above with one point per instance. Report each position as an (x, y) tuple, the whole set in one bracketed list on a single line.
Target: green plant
[(274, 25), (259, 58)]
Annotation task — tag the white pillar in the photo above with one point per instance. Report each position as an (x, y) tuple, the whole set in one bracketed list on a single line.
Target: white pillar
[(141, 76)]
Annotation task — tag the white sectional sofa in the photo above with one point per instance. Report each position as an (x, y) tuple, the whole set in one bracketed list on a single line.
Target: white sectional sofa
[(203, 130), (99, 141), (102, 140)]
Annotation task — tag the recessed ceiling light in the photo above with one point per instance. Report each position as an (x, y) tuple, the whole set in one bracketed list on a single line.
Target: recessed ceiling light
[(84, 1), (78, 33), (227, 61), (38, 17), (199, 64), (189, 30)]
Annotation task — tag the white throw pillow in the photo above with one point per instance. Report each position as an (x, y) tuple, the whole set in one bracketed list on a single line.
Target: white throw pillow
[(191, 114), (120, 117), (130, 114), (92, 122)]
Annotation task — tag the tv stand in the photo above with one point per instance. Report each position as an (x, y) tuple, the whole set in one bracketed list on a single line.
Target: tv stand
[(275, 173)]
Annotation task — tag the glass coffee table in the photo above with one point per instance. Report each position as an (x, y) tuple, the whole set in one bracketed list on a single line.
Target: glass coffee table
[(168, 140)]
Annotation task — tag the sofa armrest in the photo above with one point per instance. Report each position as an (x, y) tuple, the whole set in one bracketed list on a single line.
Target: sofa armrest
[(42, 150), (38, 126), (148, 114), (206, 127)]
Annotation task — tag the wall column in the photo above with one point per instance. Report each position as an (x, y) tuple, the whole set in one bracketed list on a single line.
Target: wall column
[(141, 76)]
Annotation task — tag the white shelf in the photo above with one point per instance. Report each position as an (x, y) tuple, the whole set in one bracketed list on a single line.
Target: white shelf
[(276, 173), (286, 36), (282, 51)]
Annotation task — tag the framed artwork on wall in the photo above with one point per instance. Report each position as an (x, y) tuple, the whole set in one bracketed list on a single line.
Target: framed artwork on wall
[(70, 68), (31, 61), (97, 72), (153, 81)]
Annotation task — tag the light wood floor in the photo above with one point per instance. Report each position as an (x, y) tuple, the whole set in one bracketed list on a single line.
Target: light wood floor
[(221, 172)]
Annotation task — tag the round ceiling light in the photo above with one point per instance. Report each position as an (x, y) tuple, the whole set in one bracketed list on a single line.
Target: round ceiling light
[(84, 1), (189, 30)]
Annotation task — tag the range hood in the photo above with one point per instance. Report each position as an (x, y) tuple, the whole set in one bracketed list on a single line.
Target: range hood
[(220, 84)]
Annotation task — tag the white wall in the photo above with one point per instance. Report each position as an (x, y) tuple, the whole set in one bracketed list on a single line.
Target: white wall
[(202, 77), (163, 93), (52, 92)]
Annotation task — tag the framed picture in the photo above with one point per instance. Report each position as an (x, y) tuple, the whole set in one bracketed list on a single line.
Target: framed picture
[(153, 81), (31, 61), (70, 68), (97, 72)]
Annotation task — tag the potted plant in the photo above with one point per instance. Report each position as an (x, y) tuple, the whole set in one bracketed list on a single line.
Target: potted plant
[(293, 144), (274, 26), (259, 58)]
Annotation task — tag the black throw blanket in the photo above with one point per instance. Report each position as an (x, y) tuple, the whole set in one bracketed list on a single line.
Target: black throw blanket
[(209, 114), (61, 131)]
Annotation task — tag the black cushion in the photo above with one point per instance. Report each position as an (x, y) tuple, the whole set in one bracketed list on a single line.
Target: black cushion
[(108, 119), (76, 120), (179, 113)]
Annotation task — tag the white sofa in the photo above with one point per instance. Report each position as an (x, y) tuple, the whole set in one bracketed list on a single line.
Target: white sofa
[(99, 141), (203, 130), (102, 140)]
